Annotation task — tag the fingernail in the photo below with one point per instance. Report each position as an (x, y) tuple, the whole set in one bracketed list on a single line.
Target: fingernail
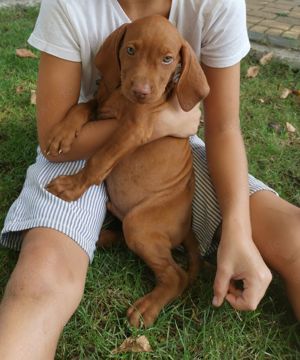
[(215, 301)]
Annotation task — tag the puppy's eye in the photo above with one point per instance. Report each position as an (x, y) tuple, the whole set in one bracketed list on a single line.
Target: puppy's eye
[(168, 60), (130, 50)]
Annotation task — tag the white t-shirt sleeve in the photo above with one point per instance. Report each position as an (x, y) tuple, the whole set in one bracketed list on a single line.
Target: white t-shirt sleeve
[(54, 32), (224, 36)]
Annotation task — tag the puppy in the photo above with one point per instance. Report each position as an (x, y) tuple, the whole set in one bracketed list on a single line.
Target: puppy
[(150, 184)]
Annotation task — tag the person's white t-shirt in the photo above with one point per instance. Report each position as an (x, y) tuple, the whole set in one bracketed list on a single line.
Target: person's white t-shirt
[(75, 29)]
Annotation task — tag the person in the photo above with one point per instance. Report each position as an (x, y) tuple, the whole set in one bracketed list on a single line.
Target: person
[(57, 239)]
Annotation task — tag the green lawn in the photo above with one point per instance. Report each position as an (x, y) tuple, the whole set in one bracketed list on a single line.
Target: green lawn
[(190, 328)]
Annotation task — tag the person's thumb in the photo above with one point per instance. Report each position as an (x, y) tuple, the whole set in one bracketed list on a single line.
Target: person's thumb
[(221, 286)]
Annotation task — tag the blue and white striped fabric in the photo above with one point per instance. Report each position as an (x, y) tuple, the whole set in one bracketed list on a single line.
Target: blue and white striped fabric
[(82, 220), (206, 212)]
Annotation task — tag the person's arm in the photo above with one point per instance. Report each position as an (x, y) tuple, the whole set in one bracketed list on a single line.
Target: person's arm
[(58, 92), (238, 258)]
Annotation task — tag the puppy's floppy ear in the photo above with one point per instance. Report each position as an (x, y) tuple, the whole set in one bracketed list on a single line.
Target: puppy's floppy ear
[(192, 85), (107, 59)]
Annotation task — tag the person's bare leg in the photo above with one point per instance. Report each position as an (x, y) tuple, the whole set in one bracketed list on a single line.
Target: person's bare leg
[(44, 290), (276, 232)]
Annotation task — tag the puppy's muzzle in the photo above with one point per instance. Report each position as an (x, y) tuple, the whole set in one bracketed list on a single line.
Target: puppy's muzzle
[(141, 91)]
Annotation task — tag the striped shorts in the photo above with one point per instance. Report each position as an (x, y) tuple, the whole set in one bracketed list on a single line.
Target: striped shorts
[(82, 220)]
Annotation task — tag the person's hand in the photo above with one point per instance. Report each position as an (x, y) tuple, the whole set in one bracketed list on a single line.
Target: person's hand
[(238, 260), (173, 121)]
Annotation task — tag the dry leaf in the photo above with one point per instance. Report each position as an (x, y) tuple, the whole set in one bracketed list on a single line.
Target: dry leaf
[(275, 127), (25, 53), (20, 89), (296, 92), (290, 128), (139, 344), (201, 121), (266, 58), (285, 93), (252, 72), (33, 97)]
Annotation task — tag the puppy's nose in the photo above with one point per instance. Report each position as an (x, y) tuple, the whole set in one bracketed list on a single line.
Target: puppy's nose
[(141, 90)]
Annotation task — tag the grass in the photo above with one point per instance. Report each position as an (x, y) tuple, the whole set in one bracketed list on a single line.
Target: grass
[(189, 328)]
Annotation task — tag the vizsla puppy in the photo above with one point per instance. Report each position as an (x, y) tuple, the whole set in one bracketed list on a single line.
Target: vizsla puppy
[(150, 185)]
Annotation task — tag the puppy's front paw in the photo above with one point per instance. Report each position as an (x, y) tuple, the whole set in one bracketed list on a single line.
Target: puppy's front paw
[(61, 139), (68, 188)]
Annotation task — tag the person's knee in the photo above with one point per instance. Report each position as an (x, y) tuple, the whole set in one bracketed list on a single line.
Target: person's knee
[(291, 254), (42, 275), (44, 286), (291, 272)]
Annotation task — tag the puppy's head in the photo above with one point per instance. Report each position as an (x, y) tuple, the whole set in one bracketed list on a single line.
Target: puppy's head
[(143, 58)]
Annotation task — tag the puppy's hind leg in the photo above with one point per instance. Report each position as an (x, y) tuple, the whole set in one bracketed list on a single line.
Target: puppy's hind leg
[(112, 233), (195, 263), (171, 280), (109, 238)]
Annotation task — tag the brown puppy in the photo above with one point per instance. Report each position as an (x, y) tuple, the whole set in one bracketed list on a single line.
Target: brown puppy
[(150, 185)]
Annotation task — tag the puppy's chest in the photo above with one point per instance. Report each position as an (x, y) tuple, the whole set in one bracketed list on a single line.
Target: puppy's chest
[(155, 165)]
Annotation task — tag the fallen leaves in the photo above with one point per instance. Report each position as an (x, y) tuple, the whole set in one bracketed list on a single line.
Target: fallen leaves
[(252, 72), (131, 344), (25, 89), (290, 128), (296, 92), (20, 89), (277, 128), (25, 53), (287, 128), (33, 97), (286, 92), (266, 58)]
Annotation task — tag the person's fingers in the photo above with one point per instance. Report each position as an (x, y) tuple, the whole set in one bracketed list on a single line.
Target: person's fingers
[(250, 296), (221, 287), (245, 300), (234, 288)]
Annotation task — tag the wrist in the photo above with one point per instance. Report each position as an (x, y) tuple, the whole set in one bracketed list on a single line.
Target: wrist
[(236, 225), (235, 209), (160, 129)]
